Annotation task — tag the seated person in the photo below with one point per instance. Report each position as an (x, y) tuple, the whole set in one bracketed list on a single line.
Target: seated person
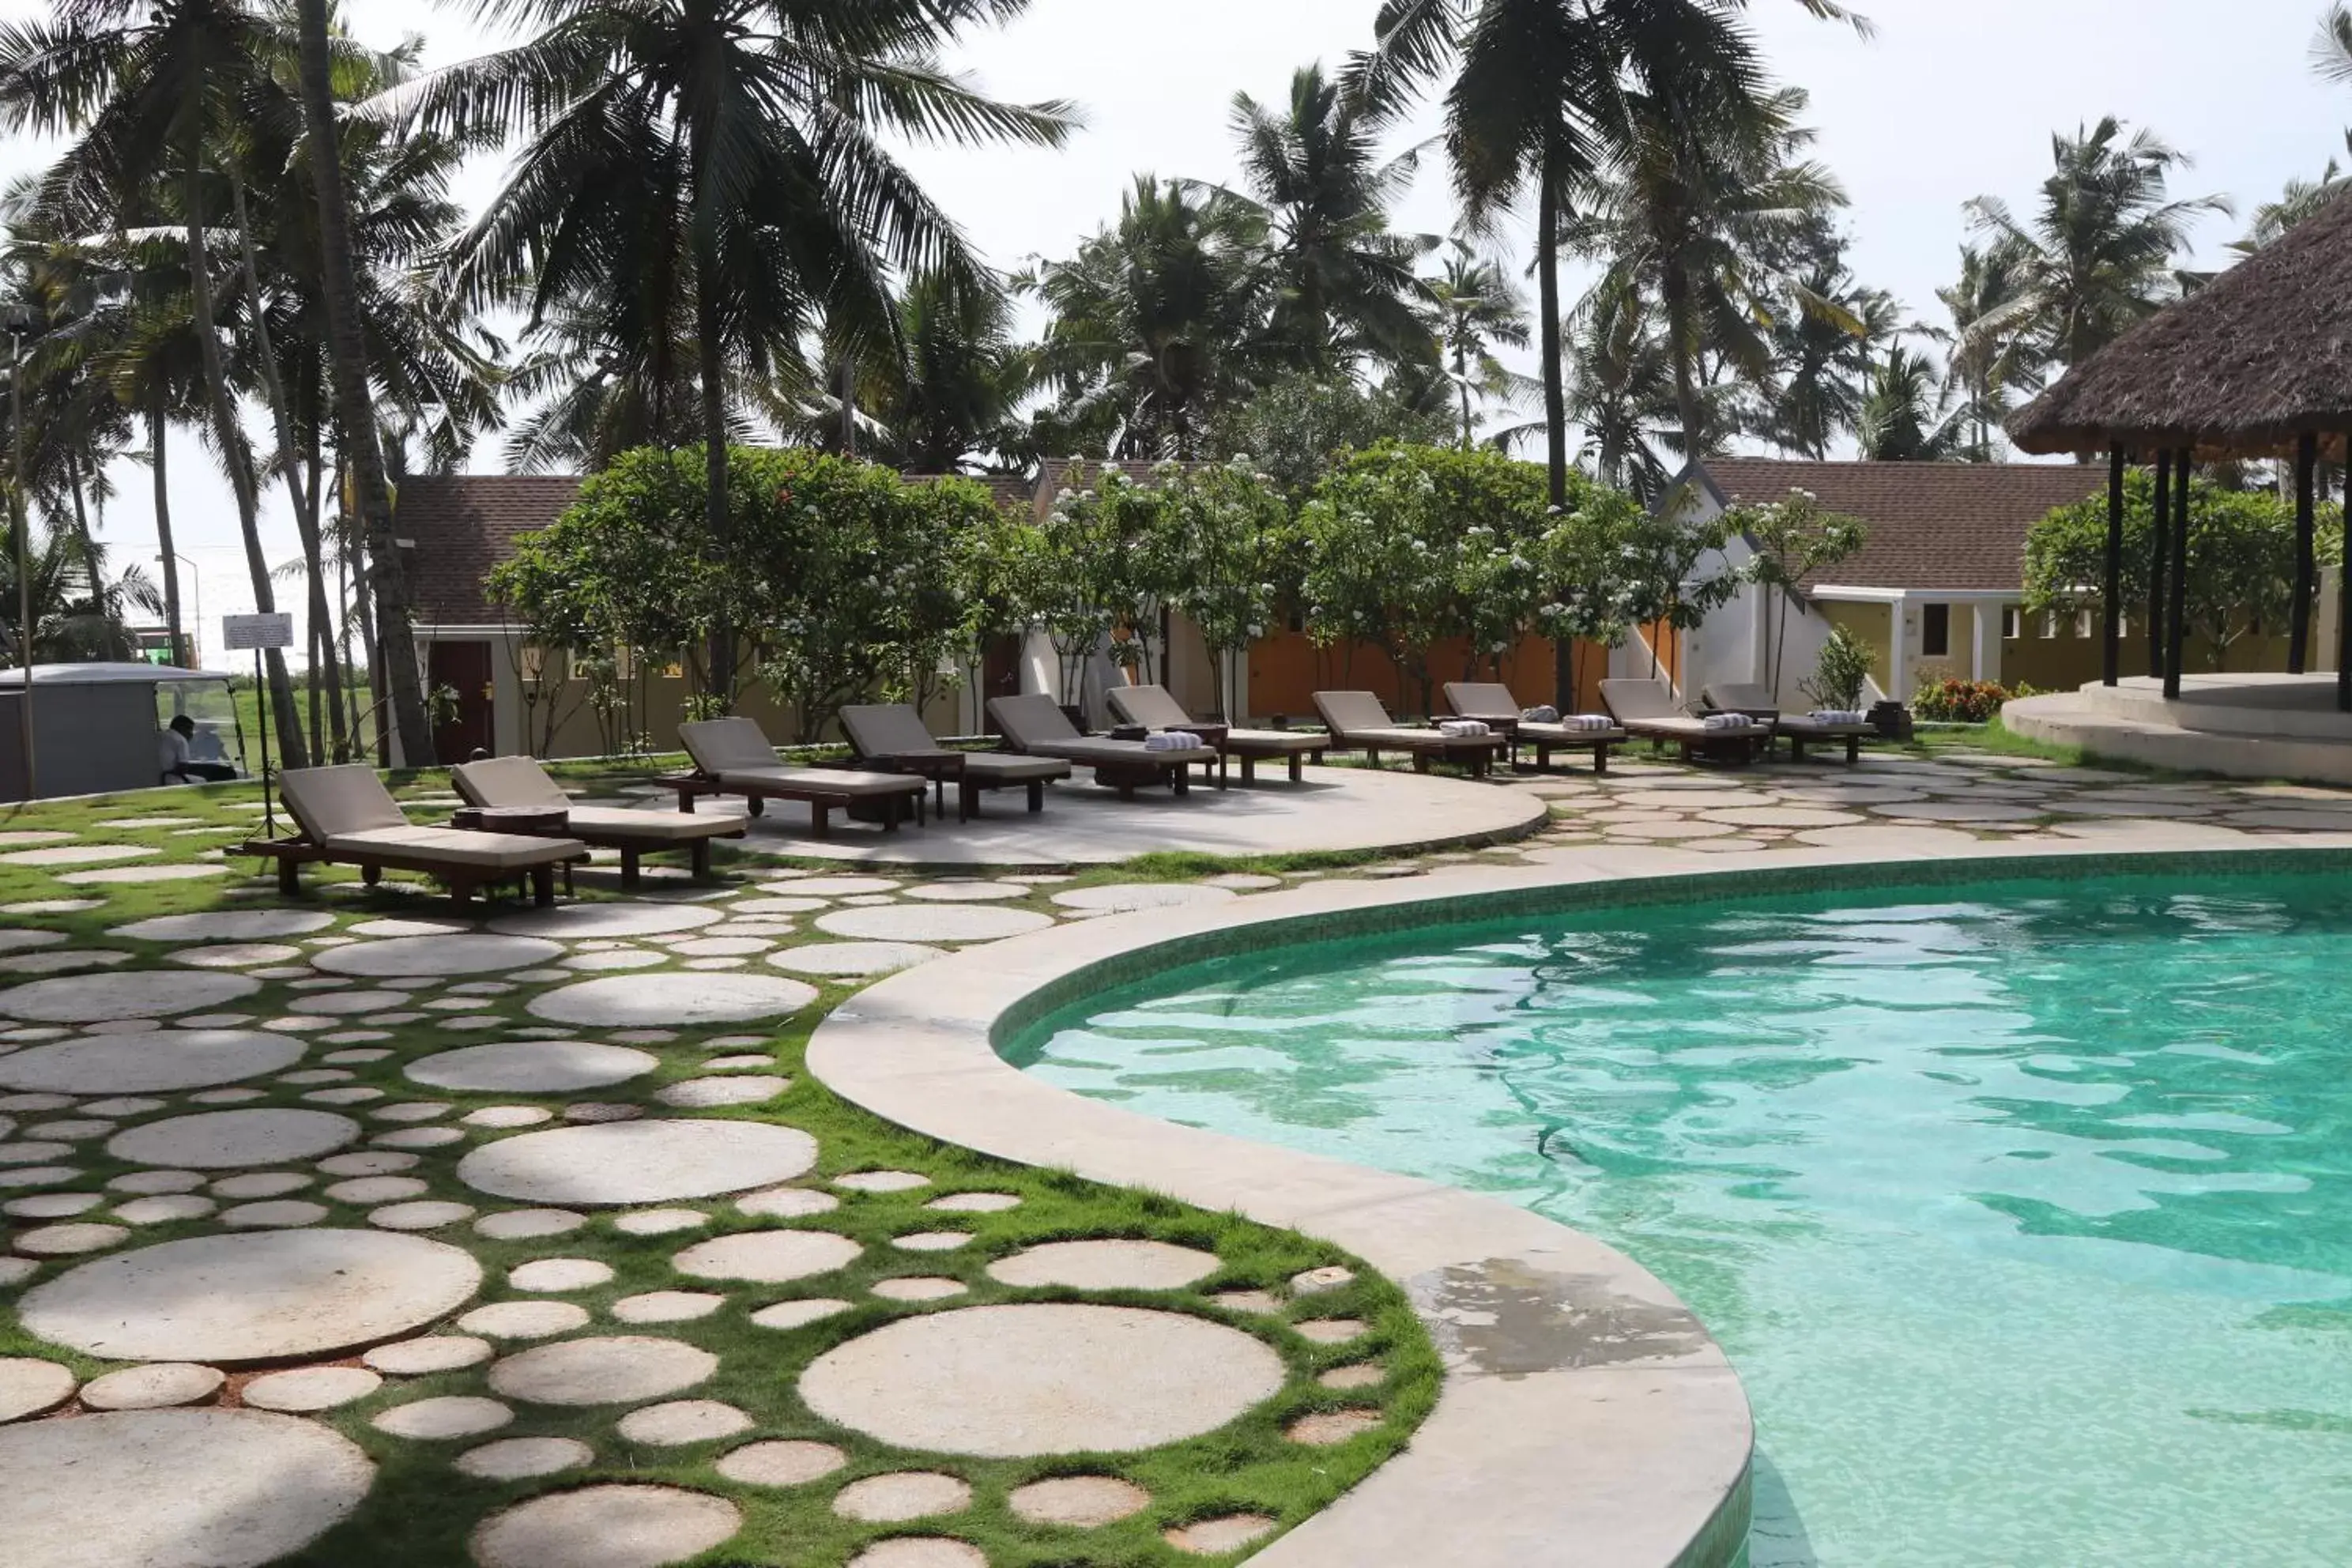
[(179, 766)]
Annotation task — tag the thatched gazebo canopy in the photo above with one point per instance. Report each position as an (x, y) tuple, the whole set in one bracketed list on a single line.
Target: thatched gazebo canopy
[(2245, 367)]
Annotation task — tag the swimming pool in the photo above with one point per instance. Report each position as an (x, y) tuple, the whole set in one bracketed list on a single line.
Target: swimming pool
[(2022, 1207)]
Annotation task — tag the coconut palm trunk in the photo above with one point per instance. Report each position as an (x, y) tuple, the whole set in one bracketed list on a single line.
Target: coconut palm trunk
[(354, 403), (156, 424)]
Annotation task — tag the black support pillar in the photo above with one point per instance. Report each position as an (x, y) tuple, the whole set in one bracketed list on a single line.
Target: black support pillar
[(2156, 546), (2113, 596), (2306, 471), (2175, 631), (2344, 597)]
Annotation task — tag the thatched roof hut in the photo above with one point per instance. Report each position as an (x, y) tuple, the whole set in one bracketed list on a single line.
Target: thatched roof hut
[(2245, 367)]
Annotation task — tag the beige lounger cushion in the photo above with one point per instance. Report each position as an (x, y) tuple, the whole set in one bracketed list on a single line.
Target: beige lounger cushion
[(1036, 724), (327, 802), (1742, 696), (1003, 767), (887, 729), (1274, 742), (1562, 735), (1150, 706), (670, 827), (718, 745), (455, 846), (819, 781), (508, 781), (1481, 700), (1359, 719)]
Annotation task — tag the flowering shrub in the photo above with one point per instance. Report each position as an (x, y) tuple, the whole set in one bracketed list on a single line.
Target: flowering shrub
[(1961, 701)]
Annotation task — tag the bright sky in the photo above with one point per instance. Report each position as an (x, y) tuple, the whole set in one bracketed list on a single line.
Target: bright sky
[(1946, 102)]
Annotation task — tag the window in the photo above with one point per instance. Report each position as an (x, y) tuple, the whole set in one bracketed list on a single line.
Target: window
[(1936, 632), (2012, 623), (2083, 625)]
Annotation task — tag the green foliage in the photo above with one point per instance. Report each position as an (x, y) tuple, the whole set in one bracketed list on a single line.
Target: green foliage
[(1298, 427), (1962, 702), (1664, 551), (2240, 558), (1841, 673), (1105, 569), (1231, 545), (1793, 539)]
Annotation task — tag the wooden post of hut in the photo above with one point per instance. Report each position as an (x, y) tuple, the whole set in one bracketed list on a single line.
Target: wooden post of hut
[(2111, 595), (2157, 537), (2307, 522), (2176, 630)]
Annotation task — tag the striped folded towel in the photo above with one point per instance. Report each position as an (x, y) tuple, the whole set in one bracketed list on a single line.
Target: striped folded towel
[(1589, 722), (1726, 720), (1463, 730), (1543, 715), (1837, 716), (1174, 741)]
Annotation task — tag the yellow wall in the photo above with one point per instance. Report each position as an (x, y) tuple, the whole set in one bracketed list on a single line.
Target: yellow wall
[(1872, 626)]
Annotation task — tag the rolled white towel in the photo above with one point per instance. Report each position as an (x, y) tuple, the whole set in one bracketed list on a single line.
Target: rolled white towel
[(1463, 730), (1546, 714), (1174, 741), (1727, 722), (1589, 722), (1837, 716)]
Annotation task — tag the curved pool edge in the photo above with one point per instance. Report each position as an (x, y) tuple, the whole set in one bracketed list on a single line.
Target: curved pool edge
[(1583, 1401)]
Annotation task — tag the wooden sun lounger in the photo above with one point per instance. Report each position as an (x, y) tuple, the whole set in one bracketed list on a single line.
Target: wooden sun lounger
[(1802, 730), (1154, 708), (1492, 704), (1037, 726), (512, 782), (346, 817), (1359, 722), (733, 757), (894, 738), (1646, 710)]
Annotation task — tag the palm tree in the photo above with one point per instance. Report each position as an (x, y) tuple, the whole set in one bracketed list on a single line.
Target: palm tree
[(1541, 84), (1904, 420), (1822, 358), (723, 164), (951, 404), (1991, 354), (1477, 310), (2098, 253), (1621, 394)]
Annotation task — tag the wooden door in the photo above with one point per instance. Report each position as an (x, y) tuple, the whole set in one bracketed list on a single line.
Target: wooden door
[(464, 668)]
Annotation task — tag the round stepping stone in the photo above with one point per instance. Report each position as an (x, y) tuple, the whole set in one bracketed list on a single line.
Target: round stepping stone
[(36, 1101), (1329, 1331), (719, 947), (264, 1295), (57, 962), (908, 1494), (751, 1063), (585, 1113), (519, 1458), (16, 1270), (974, 1203), (1019, 1382), (125, 875), (1330, 1429), (228, 1095), (681, 1421), (51, 1206), (425, 1216), (526, 1320), (767, 1257), (555, 1276), (260, 1184), (767, 909), (444, 1419), (660, 1222), (1106, 1266), (785, 1316), (575, 922), (156, 1387), (419, 1138), (882, 1182), (1316, 1281), (226, 925), (436, 957), (617, 1370), (788, 1203), (26, 1153), (508, 1117), (236, 956), (1782, 817), (831, 887), (69, 1240), (29, 1385), (709, 1093), (368, 1163), (781, 1464), (378, 1189), (667, 1306), (685, 1000), (1122, 898), (175, 1488), (623, 1164), (144, 1182), (310, 1388), (79, 855), (920, 1288), (1078, 1503), (1958, 811), (931, 1241), (282, 1213), (1215, 1537), (965, 892), (164, 1210), (1241, 881), (528, 1225), (920, 1551), (224, 1140), (1363, 1374), (948, 923), (593, 962), (345, 1004), (405, 928), (422, 1358), (531, 1067), (855, 960), (145, 993), (607, 1527)]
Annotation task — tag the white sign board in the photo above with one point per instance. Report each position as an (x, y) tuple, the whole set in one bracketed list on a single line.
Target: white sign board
[(242, 633)]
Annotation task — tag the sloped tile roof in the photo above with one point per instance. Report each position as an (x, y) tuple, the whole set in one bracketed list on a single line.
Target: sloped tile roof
[(464, 525), (1960, 526)]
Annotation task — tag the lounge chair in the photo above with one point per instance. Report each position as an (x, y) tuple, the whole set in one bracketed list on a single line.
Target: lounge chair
[(1038, 727), (1358, 723), (731, 756), (1646, 710), (1155, 709), (348, 818), (894, 738), (519, 782), (1492, 704), (1803, 729)]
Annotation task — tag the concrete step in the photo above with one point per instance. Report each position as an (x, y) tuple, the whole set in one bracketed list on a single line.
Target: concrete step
[(2137, 731)]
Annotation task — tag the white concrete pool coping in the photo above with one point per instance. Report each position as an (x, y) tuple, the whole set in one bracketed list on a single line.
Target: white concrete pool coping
[(1585, 1416)]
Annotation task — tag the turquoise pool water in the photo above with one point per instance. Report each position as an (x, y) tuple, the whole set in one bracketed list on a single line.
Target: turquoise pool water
[(2025, 1209)]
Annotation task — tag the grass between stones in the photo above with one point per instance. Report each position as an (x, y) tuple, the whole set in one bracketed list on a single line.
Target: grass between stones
[(423, 1509)]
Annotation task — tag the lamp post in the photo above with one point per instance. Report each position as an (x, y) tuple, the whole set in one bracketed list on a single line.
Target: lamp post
[(199, 578), (19, 321)]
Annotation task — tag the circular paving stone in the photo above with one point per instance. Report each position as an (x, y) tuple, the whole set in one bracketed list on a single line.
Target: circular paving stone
[(310, 1388), (830, 887), (920, 1288), (627, 1163), (616, 1370), (524, 1320), (368, 1163), (421, 1358), (854, 959), (144, 994), (28, 1152), (226, 925), (224, 1140), (1329, 1331), (51, 1206), (635, 958), (266, 1296), (518, 1458), (667, 1306), (279, 1215), (1958, 811), (174, 1489), (528, 1224), (344, 1004), (1017, 1381), (574, 922), (80, 854), (607, 1527), (1121, 898), (260, 1184), (882, 1182), (785, 1316), (1330, 1429), (435, 957), (531, 1067), (425, 1216), (444, 1419), (948, 923), (155, 1387), (1363, 1374), (164, 1210), (557, 1276), (931, 1241), (1783, 816), (126, 875), (1316, 1281), (920, 1551), (788, 1203), (660, 1222), (767, 1257), (684, 1000), (965, 892), (708, 1093), (377, 1189), (681, 1421), (29, 1385), (1078, 1503), (69, 1240), (974, 1203), (1215, 1537), (508, 1117), (908, 1494), (781, 1464), (1106, 1266), (418, 1138), (236, 956)]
